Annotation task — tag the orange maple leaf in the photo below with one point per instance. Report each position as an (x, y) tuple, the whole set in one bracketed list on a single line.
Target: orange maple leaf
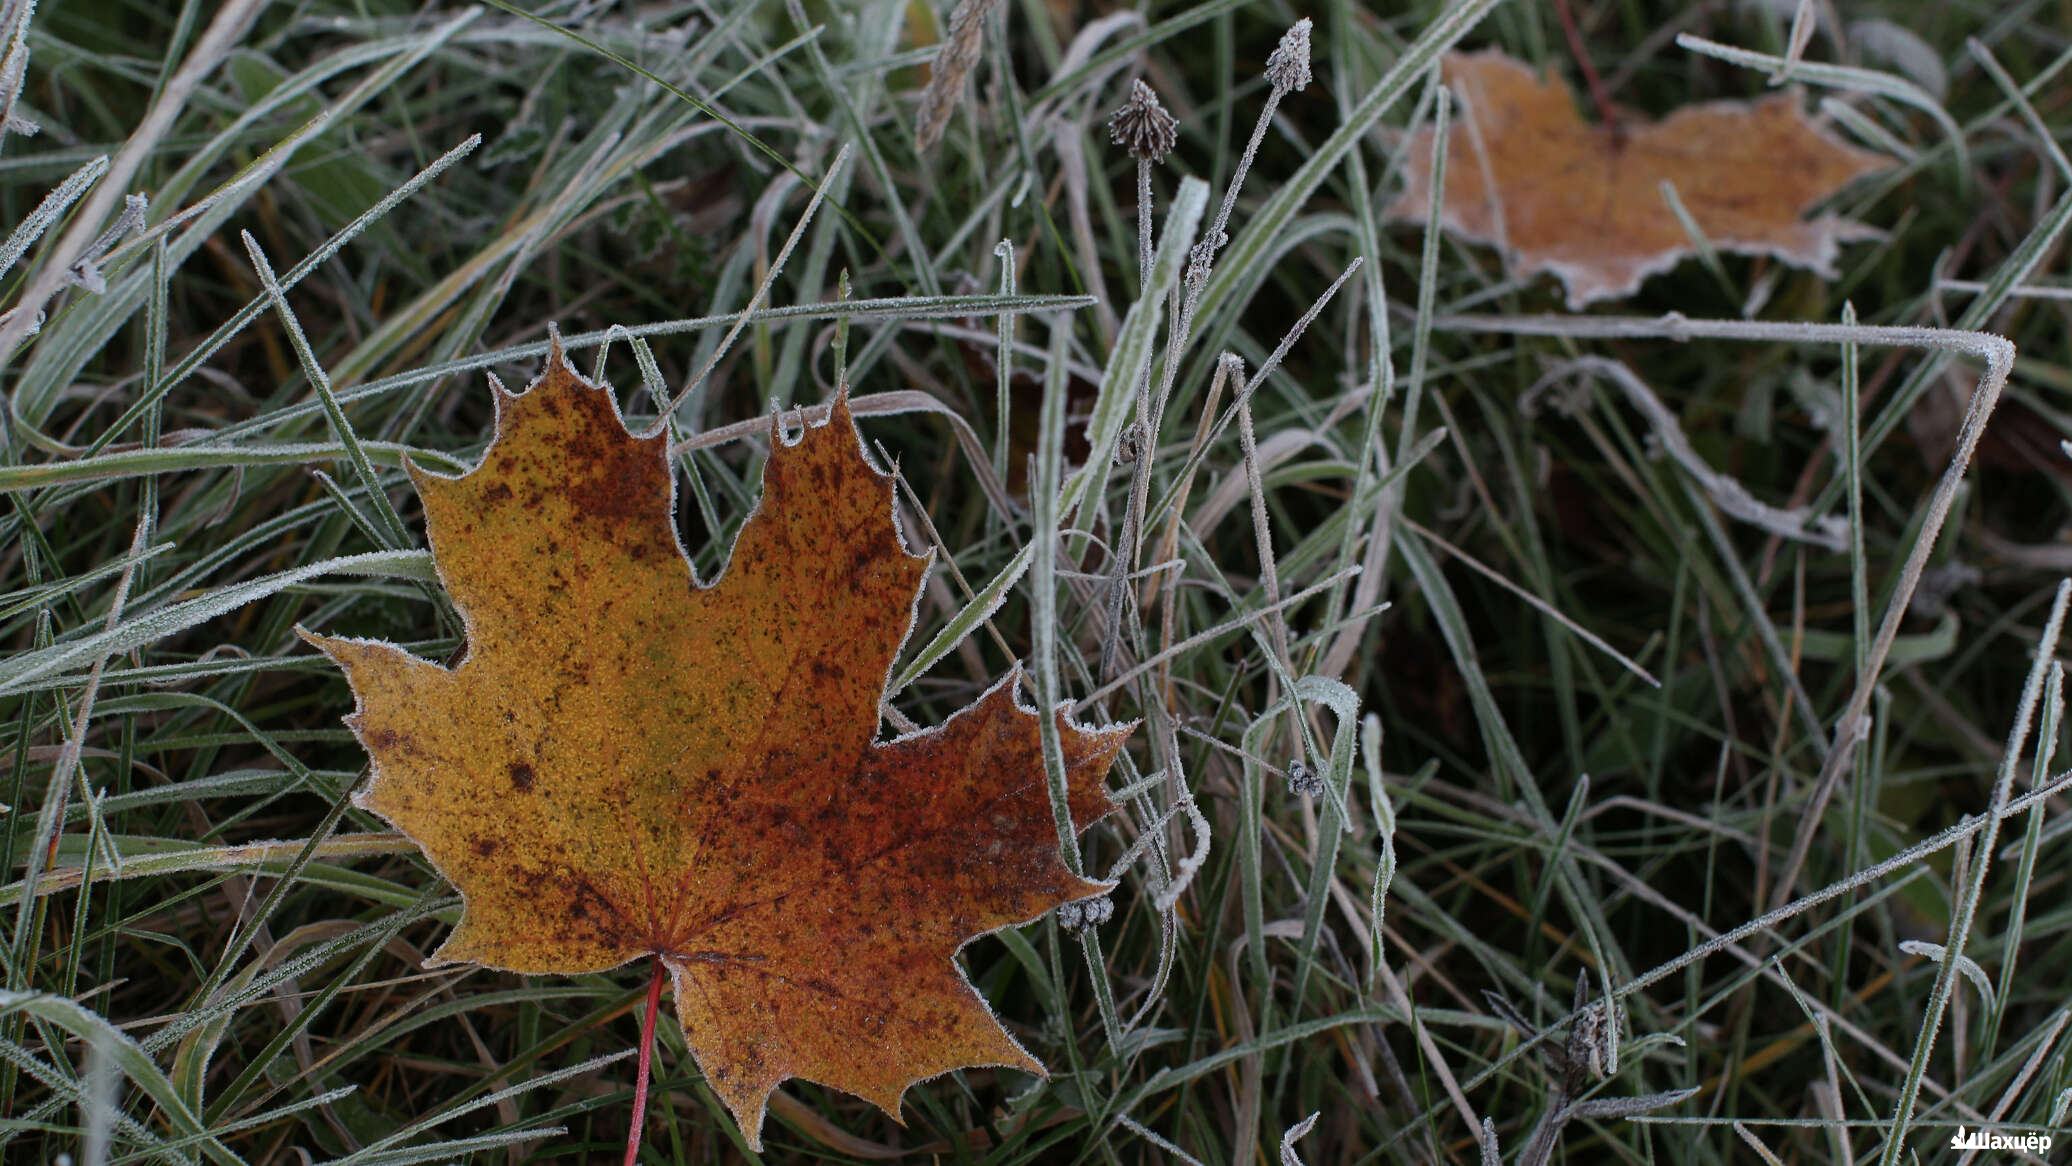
[(627, 763), (1525, 172)]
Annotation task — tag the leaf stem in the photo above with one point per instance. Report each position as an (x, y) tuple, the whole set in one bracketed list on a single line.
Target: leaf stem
[(647, 1060), (1607, 113)]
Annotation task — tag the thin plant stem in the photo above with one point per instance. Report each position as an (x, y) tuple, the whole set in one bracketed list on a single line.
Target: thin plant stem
[(647, 1062), (1965, 910), (1599, 95), (1147, 425), (1269, 575), (1143, 225), (1003, 363)]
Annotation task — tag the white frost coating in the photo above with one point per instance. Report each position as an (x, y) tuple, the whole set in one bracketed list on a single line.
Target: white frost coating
[(1936, 953), (1841, 77), (50, 210), (1998, 354), (1904, 50), (1797, 522)]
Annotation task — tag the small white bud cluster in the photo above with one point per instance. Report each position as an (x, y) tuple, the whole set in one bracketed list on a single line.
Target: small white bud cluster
[(1085, 914), (1303, 781)]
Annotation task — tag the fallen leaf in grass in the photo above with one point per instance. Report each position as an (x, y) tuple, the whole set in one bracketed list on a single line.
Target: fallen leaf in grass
[(627, 763), (1556, 194)]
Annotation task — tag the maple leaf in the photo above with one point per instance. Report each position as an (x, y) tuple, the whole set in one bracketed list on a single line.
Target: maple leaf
[(627, 763), (1525, 172)]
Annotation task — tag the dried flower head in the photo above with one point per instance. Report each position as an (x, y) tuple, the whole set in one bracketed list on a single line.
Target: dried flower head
[(1142, 126), (1287, 69)]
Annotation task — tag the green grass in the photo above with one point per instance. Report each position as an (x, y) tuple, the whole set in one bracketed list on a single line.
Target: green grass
[(1585, 721)]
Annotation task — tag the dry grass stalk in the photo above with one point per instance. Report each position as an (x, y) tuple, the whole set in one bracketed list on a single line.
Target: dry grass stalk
[(952, 68)]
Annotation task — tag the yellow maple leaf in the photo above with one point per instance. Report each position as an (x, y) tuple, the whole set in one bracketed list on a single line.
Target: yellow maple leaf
[(629, 764), (1526, 173)]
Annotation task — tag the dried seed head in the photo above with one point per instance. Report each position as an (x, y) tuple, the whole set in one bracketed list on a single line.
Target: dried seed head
[(1085, 914), (1303, 781), (1287, 69), (1142, 126), (1592, 1048), (953, 64), (1129, 444)]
